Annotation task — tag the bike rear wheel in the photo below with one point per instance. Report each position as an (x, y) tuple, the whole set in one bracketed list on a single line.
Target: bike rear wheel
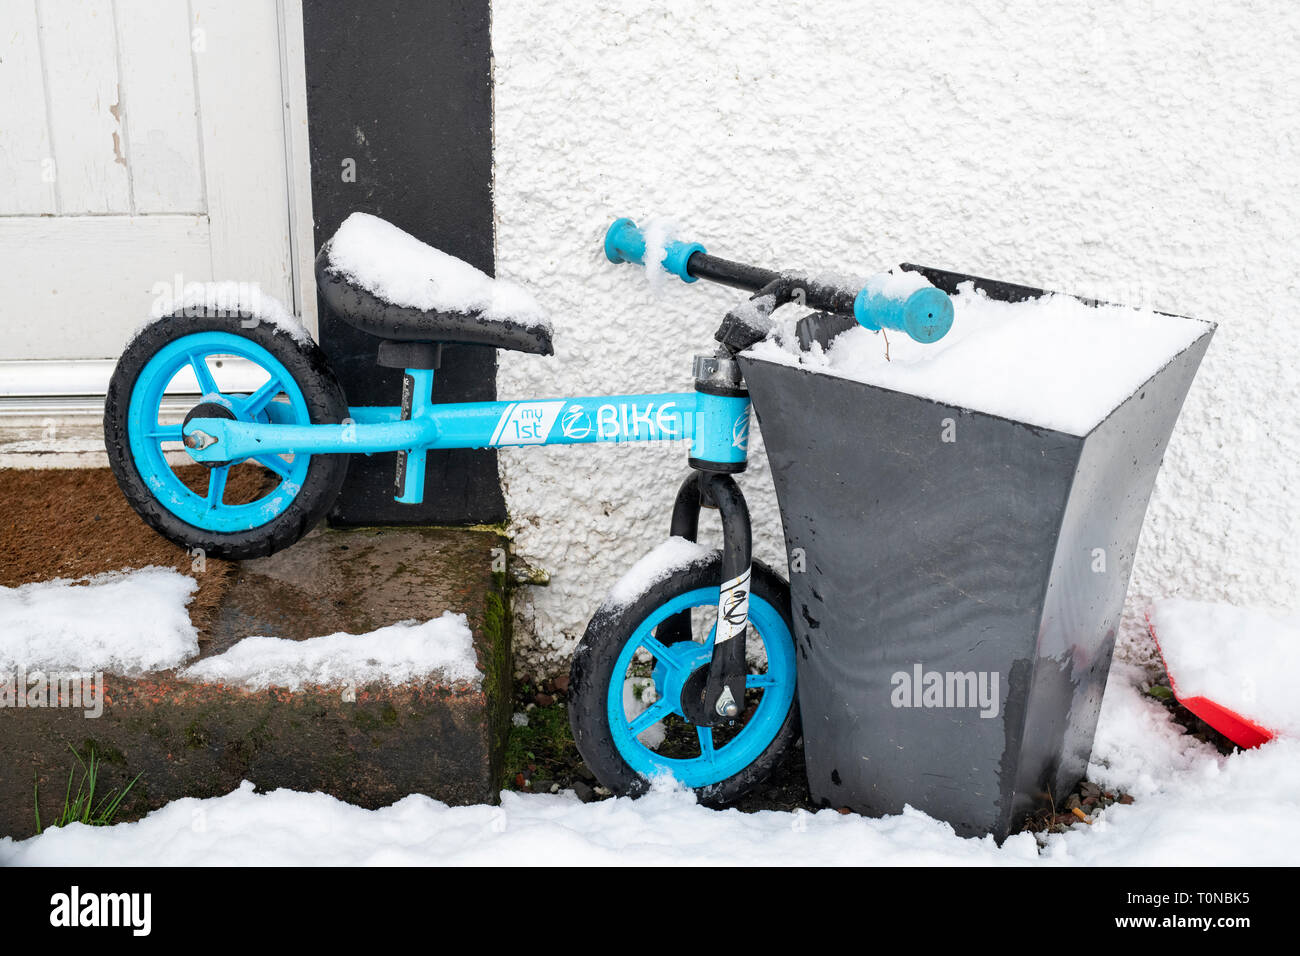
[(240, 369)]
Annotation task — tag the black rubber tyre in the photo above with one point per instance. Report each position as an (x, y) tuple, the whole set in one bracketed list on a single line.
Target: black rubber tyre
[(326, 404), (598, 652)]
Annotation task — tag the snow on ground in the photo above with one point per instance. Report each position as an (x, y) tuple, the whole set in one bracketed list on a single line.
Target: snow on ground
[(441, 649), (398, 268), (1243, 659), (1193, 806), (120, 623), (1053, 361)]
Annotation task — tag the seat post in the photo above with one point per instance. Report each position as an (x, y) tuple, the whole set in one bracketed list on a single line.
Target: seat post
[(417, 398), (408, 355)]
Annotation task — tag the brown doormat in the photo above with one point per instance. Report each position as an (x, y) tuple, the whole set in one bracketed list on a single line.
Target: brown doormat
[(73, 523)]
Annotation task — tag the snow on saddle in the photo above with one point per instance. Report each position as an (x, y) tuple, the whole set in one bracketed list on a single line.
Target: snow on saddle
[(389, 284)]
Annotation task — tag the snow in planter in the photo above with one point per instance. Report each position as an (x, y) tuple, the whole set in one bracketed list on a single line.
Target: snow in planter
[(1245, 660), (441, 650), (122, 623), (1194, 806), (1053, 361), (400, 269)]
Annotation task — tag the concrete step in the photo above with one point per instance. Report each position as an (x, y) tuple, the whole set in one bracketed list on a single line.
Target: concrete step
[(368, 744)]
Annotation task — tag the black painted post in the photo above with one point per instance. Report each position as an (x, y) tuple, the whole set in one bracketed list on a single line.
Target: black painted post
[(399, 103)]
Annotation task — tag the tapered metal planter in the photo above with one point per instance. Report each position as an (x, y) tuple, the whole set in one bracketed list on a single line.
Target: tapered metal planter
[(956, 602)]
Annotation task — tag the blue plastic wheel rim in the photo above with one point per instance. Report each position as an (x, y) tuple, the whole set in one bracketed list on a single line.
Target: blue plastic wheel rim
[(673, 664), (146, 435)]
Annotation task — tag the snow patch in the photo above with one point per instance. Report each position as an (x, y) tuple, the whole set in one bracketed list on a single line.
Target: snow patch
[(1138, 748), (441, 650), (896, 283), (659, 565), (398, 268), (243, 300), (123, 622), (1053, 361), (657, 234), (638, 695), (1194, 806), (1243, 659)]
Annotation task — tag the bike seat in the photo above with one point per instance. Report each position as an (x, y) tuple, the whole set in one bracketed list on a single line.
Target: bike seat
[(387, 283)]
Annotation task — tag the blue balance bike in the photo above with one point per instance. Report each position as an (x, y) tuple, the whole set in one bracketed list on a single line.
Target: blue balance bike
[(231, 434)]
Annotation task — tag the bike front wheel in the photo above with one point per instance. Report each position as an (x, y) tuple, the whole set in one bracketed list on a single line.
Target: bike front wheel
[(639, 660)]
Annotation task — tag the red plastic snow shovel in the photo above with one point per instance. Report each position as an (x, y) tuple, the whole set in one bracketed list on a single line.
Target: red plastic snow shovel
[(1242, 731)]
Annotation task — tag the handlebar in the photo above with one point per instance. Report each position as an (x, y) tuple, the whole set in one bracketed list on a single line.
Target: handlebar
[(925, 314)]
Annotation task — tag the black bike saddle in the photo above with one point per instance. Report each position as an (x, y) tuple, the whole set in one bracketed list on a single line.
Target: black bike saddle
[(387, 283)]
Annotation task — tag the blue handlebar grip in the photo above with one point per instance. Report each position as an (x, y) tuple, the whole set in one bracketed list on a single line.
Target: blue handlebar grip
[(925, 315), (624, 242)]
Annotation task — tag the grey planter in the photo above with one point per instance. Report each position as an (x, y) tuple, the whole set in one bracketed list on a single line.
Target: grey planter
[(998, 562)]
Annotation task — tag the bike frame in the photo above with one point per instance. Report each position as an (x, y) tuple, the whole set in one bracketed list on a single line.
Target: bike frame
[(716, 425), (714, 418)]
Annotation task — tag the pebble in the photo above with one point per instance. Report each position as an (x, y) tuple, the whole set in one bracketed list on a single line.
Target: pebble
[(584, 791)]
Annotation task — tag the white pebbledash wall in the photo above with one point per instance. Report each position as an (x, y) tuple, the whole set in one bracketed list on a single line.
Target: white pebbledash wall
[(1141, 152)]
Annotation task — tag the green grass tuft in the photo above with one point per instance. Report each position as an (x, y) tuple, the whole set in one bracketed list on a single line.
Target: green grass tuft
[(82, 807)]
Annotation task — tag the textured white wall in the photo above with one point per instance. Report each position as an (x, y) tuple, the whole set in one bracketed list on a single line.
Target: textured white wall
[(1143, 152)]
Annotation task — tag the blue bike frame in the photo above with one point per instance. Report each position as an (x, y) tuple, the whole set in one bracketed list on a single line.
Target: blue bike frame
[(714, 418), (716, 425)]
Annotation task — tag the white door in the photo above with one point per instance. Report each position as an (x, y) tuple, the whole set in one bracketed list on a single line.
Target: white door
[(140, 141)]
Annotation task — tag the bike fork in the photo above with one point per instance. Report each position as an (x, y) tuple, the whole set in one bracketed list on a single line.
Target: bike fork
[(723, 695)]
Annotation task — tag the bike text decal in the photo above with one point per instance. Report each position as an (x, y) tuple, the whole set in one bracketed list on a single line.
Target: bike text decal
[(631, 420), (526, 423)]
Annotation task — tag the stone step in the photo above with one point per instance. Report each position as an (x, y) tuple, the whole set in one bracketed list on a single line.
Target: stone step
[(370, 744)]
